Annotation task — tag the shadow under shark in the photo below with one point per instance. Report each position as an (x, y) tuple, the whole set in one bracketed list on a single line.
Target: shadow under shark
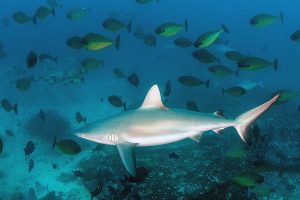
[(154, 124)]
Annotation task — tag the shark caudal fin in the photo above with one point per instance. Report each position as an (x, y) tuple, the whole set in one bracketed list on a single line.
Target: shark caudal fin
[(246, 119)]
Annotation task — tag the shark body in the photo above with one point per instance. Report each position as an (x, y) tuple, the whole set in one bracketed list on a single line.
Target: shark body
[(154, 124)]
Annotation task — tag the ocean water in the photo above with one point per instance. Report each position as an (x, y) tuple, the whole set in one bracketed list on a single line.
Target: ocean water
[(53, 83)]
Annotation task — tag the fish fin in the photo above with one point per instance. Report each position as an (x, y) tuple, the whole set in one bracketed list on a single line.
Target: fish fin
[(281, 17), (16, 108), (237, 72), (53, 11), (275, 64), (197, 137), (127, 154), (207, 83), (129, 27), (224, 28), (153, 99), (219, 113), (243, 121), (117, 42), (186, 25)]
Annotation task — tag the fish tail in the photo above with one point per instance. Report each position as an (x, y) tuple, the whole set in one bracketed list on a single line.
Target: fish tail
[(53, 11), (16, 108), (207, 83), (125, 106), (129, 27), (275, 64), (224, 28), (117, 42), (281, 17), (54, 143), (243, 121), (186, 25), (34, 20), (237, 72)]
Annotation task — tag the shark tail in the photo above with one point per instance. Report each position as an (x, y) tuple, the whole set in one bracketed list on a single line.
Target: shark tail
[(246, 119)]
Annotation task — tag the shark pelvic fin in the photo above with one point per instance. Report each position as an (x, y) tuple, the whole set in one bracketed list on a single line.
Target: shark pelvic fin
[(127, 154), (153, 99), (197, 137)]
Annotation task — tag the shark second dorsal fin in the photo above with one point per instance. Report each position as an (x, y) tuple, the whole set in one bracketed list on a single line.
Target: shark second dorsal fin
[(153, 99)]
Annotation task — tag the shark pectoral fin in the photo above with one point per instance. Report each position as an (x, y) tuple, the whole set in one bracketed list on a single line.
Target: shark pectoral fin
[(197, 137), (127, 153), (153, 99)]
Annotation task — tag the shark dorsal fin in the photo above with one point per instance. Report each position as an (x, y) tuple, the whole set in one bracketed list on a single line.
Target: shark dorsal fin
[(153, 99)]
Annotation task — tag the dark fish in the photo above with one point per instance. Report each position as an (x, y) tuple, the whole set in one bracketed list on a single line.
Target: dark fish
[(98, 147), (248, 179), (9, 133), (97, 190), (286, 95), (21, 17), (118, 73), (75, 42), (79, 118), (91, 63), (42, 115), (78, 13), (183, 42), (192, 81), (170, 28), (167, 91), (69, 147), (112, 24), (8, 107), (208, 38), (31, 60), (50, 196), (29, 148), (126, 190), (262, 20), (54, 165), (150, 41), (23, 84), (141, 175), (204, 56), (133, 79), (45, 56), (235, 91), (234, 55), (117, 101), (173, 155), (1, 146), (43, 12), (31, 165), (296, 36), (262, 165), (95, 42), (221, 70), (191, 105), (77, 173), (255, 63)]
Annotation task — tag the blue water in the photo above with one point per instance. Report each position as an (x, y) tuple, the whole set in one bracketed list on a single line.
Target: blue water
[(201, 171)]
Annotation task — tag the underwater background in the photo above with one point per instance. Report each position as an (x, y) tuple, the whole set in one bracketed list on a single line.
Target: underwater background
[(67, 63)]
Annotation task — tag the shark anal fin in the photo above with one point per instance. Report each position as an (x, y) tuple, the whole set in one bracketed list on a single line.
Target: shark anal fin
[(127, 154), (218, 131), (197, 137)]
